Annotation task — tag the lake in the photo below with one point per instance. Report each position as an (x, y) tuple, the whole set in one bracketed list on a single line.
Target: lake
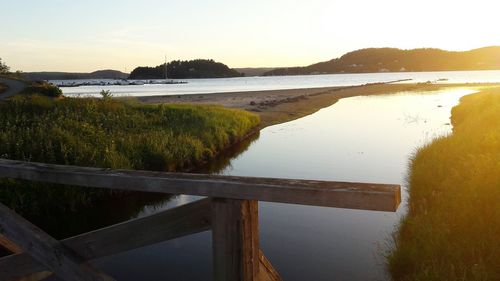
[(367, 139), (243, 84)]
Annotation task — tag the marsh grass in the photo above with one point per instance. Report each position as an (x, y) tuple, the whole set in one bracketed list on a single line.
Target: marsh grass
[(452, 230), (110, 134)]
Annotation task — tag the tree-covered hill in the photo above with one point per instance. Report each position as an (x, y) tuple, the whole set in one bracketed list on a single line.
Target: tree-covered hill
[(177, 69), (100, 74), (394, 60)]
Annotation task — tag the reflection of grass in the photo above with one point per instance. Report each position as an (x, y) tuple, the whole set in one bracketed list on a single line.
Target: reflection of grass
[(112, 134), (452, 230)]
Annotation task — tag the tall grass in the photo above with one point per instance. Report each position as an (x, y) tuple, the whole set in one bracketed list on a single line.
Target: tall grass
[(3, 88), (452, 230), (111, 134)]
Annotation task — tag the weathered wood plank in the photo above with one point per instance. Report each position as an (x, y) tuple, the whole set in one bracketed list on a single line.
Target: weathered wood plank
[(170, 224), (235, 240), (36, 276), (45, 249), (366, 196), (14, 248), (9, 245)]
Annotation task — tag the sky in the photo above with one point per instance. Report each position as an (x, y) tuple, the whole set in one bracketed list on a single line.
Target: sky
[(81, 36)]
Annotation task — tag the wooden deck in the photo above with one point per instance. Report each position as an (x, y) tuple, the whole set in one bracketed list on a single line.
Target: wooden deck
[(230, 212)]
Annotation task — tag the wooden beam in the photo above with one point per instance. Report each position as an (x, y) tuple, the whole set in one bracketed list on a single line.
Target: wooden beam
[(173, 223), (9, 245), (267, 271), (36, 276), (235, 240), (46, 250), (14, 248), (366, 196)]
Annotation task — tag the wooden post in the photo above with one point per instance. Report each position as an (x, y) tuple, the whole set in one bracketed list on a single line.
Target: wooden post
[(16, 249), (235, 239)]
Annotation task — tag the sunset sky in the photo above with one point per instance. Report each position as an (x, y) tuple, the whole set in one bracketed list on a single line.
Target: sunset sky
[(59, 35)]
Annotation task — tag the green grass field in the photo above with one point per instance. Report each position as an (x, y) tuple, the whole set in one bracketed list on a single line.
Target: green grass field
[(112, 134), (452, 230)]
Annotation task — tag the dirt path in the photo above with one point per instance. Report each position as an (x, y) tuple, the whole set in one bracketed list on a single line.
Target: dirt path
[(13, 87)]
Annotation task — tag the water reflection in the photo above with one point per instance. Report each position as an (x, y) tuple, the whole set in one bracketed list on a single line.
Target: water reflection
[(66, 224), (362, 139), (223, 161)]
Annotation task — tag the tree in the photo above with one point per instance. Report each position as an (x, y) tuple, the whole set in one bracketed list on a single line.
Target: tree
[(3, 67), (177, 69)]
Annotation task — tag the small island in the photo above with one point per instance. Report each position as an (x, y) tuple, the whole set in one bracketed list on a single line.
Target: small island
[(177, 69)]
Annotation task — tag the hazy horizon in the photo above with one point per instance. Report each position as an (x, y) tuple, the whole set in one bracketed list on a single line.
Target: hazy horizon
[(87, 36)]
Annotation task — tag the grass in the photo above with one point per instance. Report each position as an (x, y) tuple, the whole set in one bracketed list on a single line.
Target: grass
[(111, 134), (452, 230)]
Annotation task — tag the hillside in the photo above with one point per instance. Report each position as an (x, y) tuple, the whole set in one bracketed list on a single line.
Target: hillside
[(100, 74), (177, 69), (395, 60), (254, 71)]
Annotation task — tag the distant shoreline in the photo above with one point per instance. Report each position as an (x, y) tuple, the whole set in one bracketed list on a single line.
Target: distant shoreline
[(279, 106)]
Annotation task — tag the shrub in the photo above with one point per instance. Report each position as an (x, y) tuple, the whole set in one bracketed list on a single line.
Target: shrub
[(106, 94), (4, 69), (44, 89)]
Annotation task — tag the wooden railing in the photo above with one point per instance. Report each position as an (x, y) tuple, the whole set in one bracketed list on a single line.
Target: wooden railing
[(230, 212)]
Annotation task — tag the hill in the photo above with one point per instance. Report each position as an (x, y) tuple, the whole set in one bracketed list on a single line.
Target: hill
[(254, 71), (100, 74), (199, 68), (395, 60)]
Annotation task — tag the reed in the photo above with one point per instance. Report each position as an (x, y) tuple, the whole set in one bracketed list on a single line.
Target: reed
[(110, 134), (452, 230)]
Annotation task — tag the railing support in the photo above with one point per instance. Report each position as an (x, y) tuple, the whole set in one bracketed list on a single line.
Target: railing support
[(231, 210), (235, 236), (169, 224), (47, 250)]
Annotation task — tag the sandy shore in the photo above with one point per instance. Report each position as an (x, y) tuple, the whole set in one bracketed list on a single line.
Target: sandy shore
[(278, 106)]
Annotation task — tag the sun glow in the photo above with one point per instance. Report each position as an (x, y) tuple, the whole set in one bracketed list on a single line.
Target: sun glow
[(53, 36)]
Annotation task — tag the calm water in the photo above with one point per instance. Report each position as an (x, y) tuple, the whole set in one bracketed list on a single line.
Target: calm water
[(366, 139), (241, 84)]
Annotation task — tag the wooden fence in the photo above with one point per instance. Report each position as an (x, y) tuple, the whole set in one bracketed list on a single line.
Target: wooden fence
[(230, 212)]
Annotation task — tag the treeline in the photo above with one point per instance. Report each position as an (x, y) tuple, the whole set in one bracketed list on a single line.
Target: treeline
[(396, 60), (178, 69)]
